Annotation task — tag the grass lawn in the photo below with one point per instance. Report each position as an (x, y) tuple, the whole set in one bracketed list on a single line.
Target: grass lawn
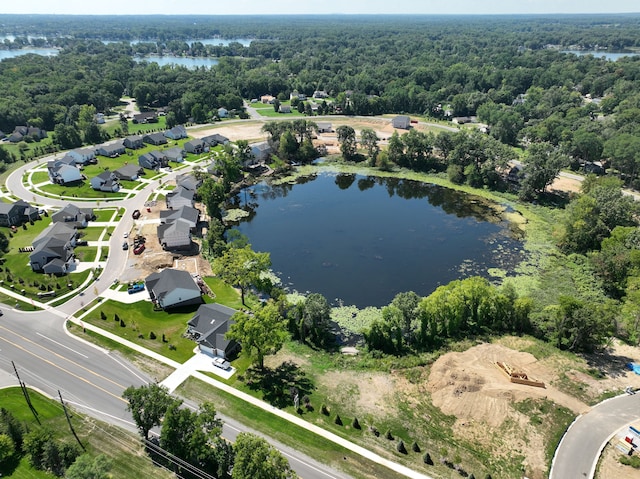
[(91, 233), (39, 177), (140, 320), (80, 189), (123, 448), (104, 214)]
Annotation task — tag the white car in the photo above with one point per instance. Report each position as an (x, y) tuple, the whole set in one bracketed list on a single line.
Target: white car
[(221, 363), (126, 235)]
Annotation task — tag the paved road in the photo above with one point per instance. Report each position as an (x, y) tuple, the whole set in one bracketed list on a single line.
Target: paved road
[(579, 451)]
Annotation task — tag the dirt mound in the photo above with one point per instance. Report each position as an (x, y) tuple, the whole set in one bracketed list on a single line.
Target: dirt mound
[(471, 387)]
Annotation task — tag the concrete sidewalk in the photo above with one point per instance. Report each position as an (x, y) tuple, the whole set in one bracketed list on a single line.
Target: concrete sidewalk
[(199, 362)]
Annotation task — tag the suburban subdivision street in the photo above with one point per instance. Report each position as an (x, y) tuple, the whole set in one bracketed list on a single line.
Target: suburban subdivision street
[(49, 359)]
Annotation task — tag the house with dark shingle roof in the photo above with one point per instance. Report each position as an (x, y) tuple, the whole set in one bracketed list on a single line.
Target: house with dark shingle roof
[(176, 227), (63, 171), (105, 181), (133, 142), (128, 172), (208, 328), (215, 139), (82, 156), (401, 121), (180, 197), (194, 146), (153, 160), (175, 154), (146, 117), (172, 288), (53, 249), (176, 133), (17, 213), (155, 139), (74, 216), (188, 181), (111, 150)]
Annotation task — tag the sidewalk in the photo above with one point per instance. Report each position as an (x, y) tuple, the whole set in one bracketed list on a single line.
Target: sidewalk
[(200, 362)]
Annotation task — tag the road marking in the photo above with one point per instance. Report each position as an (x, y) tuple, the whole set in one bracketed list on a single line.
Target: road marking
[(60, 356), (63, 369), (144, 380), (60, 344)]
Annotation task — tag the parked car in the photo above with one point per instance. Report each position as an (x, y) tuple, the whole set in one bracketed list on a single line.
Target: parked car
[(221, 363), (139, 249), (125, 246), (135, 214), (135, 288), (126, 234)]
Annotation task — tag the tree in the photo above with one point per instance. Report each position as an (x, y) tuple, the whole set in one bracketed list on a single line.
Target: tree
[(7, 448), (624, 151), (255, 458), (259, 334), (543, 164), (315, 314), (213, 194), (369, 141), (241, 267), (87, 467), (148, 405), (347, 140)]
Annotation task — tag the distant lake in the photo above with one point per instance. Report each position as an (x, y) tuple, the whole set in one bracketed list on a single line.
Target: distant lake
[(612, 56), (360, 240), (189, 62), (47, 52)]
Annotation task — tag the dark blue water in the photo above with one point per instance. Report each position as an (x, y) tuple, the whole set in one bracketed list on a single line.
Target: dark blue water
[(361, 240)]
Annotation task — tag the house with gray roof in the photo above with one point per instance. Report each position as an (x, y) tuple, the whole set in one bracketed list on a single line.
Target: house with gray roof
[(260, 151), (111, 150), (17, 213), (209, 326), (194, 146), (174, 154), (133, 142), (402, 122), (53, 249), (176, 133), (156, 139), (180, 196), (153, 160), (175, 234), (188, 181), (128, 172), (74, 216), (186, 213), (324, 127), (146, 117), (82, 156), (63, 171), (172, 288), (215, 139), (105, 181)]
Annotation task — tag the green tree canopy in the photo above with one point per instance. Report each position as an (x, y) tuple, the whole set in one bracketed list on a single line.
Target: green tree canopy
[(148, 404), (255, 458)]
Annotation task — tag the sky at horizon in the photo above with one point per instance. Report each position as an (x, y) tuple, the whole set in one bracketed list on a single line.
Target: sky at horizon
[(282, 7)]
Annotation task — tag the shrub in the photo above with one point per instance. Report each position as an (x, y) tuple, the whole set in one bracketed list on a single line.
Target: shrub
[(374, 430), (400, 447), (355, 424), (324, 409), (427, 459), (122, 325), (116, 318), (172, 347), (415, 447), (388, 435), (103, 316), (337, 420), (164, 340), (152, 335)]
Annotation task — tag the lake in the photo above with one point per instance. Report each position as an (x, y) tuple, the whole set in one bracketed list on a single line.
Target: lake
[(360, 240), (47, 52), (189, 62), (611, 56)]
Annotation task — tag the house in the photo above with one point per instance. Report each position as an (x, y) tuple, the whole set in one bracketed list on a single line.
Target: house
[(172, 288), (188, 181), (17, 213), (180, 197), (133, 142), (128, 172), (63, 171), (215, 139), (324, 127), (175, 154), (401, 121), (99, 118), (105, 181), (515, 173), (188, 214), (82, 156), (320, 94), (260, 151), (154, 139), (267, 99), (22, 132), (73, 214), (284, 109), (111, 150), (53, 249), (146, 117), (209, 327), (175, 234), (223, 113), (153, 160), (176, 133), (194, 146), (461, 120)]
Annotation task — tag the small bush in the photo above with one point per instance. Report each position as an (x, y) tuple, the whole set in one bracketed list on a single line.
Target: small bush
[(427, 459), (374, 430), (140, 336), (122, 325), (152, 335), (388, 435), (355, 424), (633, 461), (103, 316), (337, 420), (172, 347), (400, 447), (415, 447), (324, 410), (116, 318), (164, 340)]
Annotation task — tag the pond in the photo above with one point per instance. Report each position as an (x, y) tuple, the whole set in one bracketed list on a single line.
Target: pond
[(189, 62), (47, 52), (611, 56), (360, 240)]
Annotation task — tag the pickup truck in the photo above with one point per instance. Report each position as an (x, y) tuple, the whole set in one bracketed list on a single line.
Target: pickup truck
[(136, 214), (139, 249), (135, 288)]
